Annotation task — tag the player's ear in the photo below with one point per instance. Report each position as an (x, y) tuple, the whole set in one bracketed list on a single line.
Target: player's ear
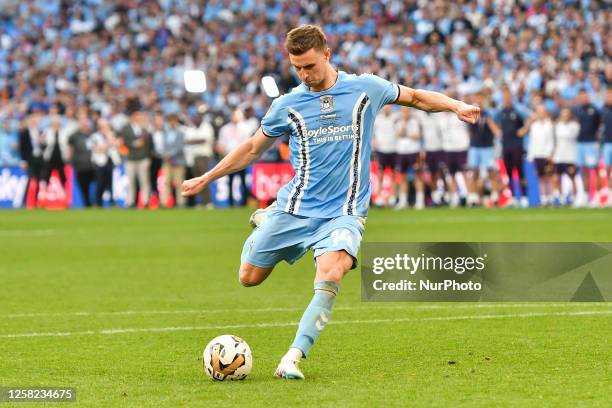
[(327, 53)]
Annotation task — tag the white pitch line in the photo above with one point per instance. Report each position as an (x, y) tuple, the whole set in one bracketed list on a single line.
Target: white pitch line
[(27, 233), (287, 324), (508, 216), (294, 309)]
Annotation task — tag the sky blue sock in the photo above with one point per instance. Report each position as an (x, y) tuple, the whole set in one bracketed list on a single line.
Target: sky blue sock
[(316, 315)]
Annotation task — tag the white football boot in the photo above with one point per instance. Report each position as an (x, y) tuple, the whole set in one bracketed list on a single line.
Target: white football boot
[(288, 367), (260, 215)]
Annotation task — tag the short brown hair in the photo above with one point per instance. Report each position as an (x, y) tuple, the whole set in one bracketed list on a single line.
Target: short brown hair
[(303, 38)]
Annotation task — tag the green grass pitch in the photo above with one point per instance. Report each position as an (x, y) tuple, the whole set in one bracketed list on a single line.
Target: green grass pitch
[(120, 305)]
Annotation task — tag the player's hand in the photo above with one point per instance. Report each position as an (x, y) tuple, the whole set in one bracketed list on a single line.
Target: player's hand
[(468, 113), (194, 185)]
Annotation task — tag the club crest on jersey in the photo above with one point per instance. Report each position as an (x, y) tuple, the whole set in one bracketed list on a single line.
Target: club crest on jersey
[(327, 103)]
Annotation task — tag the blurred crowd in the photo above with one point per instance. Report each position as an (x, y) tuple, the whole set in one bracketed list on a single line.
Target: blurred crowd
[(91, 67), (457, 163)]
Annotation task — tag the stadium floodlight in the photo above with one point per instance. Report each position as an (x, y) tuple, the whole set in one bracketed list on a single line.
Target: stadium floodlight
[(195, 81), (269, 86)]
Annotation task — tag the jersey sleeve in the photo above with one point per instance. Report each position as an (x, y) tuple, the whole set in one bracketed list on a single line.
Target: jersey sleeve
[(380, 91), (274, 123)]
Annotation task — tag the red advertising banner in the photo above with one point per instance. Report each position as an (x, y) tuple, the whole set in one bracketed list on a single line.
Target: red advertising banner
[(268, 178)]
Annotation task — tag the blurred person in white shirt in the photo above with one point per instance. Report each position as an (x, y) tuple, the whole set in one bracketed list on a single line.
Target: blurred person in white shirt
[(55, 153), (408, 136), (199, 145), (231, 135), (565, 152), (540, 150), (385, 145), (434, 155), (105, 156), (455, 143)]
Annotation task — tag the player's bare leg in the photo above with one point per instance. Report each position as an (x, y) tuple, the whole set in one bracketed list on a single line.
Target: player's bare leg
[(331, 268), (251, 275)]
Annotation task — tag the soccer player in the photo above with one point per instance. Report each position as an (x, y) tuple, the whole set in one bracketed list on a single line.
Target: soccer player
[(386, 150), (565, 152), (589, 119), (408, 147), (455, 143), (513, 129), (329, 118), (434, 155), (540, 150), (481, 157)]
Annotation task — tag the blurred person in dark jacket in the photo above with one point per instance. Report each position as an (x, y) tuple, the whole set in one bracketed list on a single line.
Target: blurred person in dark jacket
[(104, 157), (56, 150), (31, 146), (138, 143), (80, 149), (512, 129), (157, 136)]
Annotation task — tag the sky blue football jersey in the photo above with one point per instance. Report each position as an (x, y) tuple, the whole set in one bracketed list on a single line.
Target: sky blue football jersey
[(330, 143)]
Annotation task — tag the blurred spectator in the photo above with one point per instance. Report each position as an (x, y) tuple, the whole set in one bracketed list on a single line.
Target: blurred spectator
[(173, 158), (231, 135), (385, 145), (513, 129), (540, 151), (408, 136), (157, 145), (481, 156), (104, 157), (565, 153), (434, 155), (56, 150), (607, 139), (588, 146), (199, 145), (80, 151), (455, 144), (31, 146), (137, 141), (9, 144)]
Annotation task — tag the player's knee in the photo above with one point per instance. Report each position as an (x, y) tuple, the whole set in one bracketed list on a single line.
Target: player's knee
[(247, 277), (334, 271), (251, 275)]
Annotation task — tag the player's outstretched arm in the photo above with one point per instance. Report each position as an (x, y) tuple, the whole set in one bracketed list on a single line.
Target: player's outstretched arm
[(431, 101), (239, 158)]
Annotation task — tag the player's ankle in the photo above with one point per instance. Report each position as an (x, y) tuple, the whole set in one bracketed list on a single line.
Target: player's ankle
[(294, 354)]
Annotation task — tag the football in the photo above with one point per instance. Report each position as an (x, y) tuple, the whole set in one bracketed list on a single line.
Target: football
[(227, 357)]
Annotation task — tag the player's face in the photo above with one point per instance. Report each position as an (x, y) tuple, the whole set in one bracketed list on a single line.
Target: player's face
[(311, 66)]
